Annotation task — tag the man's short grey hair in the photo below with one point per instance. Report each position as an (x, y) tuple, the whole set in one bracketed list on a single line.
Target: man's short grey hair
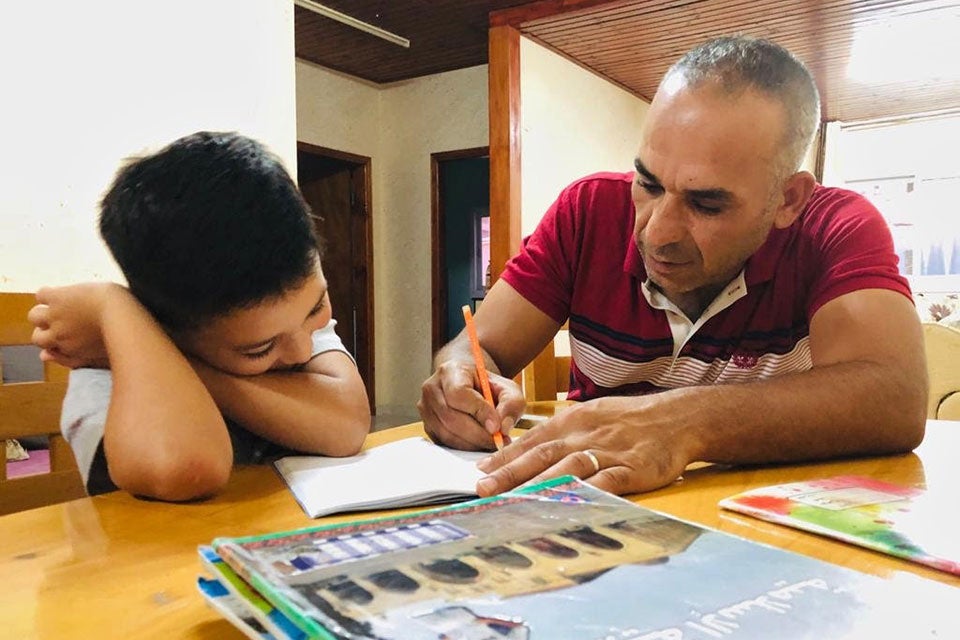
[(738, 63)]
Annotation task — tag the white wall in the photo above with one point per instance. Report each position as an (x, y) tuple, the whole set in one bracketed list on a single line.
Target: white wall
[(338, 111), (398, 126), (573, 123), (87, 84), (442, 112)]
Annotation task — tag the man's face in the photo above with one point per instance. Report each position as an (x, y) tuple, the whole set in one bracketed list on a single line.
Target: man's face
[(704, 190), (272, 335)]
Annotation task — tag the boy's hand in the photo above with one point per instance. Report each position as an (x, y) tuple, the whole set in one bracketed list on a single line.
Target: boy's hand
[(67, 323)]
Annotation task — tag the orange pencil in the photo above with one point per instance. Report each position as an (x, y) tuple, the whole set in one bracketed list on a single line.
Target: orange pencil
[(481, 367)]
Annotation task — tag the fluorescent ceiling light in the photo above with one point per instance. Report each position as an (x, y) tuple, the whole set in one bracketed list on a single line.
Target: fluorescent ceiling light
[(343, 18)]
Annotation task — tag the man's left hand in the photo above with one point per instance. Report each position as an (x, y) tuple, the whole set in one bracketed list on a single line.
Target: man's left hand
[(621, 445)]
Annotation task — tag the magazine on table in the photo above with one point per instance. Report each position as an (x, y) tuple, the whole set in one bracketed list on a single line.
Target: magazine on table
[(561, 560), (906, 522)]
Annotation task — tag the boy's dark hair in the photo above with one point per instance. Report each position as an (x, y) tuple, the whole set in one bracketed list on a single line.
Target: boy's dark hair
[(208, 225)]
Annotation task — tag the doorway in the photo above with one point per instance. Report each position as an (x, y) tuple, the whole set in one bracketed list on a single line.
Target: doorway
[(460, 182), (337, 187)]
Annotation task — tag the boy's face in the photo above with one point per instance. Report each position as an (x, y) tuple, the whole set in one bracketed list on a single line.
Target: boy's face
[(272, 335)]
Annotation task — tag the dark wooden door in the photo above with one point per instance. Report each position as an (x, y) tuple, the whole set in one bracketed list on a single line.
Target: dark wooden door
[(337, 190)]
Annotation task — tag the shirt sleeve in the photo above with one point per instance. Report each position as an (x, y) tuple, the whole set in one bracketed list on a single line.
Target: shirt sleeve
[(543, 271), (856, 249), (326, 339), (82, 420)]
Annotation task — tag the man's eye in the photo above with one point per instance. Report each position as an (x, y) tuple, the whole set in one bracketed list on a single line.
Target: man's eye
[(651, 188), (708, 209)]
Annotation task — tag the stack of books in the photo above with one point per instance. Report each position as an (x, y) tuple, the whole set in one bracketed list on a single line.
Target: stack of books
[(555, 561)]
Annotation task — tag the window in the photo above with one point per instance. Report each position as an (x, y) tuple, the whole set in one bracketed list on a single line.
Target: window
[(911, 172)]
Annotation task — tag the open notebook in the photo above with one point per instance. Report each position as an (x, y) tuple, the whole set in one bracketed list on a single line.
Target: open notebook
[(408, 472)]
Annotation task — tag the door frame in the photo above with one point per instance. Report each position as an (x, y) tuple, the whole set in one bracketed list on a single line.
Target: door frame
[(438, 250), (362, 188)]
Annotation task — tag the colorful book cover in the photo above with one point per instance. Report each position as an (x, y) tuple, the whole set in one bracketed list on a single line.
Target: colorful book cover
[(561, 560), (230, 591), (902, 521), (230, 607)]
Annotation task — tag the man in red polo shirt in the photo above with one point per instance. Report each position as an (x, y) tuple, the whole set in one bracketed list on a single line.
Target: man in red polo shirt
[(722, 306)]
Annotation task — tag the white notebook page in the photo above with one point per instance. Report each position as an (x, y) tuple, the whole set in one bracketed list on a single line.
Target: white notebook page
[(408, 472)]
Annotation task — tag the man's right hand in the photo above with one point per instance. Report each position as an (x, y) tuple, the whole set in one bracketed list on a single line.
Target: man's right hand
[(455, 413)]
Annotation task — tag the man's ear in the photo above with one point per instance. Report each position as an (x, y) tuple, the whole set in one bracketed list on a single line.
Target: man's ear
[(796, 192)]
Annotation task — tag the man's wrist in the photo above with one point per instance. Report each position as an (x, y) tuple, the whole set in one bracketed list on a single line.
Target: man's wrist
[(696, 430)]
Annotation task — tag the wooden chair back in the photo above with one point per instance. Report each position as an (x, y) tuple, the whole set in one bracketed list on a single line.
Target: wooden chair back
[(547, 376), (942, 345), (29, 409)]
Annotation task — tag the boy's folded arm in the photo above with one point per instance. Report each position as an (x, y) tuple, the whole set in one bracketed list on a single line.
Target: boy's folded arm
[(164, 435), (322, 408)]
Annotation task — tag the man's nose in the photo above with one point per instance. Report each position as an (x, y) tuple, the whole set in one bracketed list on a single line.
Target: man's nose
[(666, 224)]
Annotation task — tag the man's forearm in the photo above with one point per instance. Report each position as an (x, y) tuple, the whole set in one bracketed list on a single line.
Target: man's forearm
[(846, 409), (459, 350)]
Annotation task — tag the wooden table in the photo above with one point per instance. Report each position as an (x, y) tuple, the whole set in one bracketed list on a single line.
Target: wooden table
[(118, 567)]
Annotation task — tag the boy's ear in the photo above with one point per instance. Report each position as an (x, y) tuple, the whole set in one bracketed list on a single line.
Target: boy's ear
[(796, 192)]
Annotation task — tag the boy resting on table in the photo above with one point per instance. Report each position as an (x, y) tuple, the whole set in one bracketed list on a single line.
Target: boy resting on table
[(222, 349)]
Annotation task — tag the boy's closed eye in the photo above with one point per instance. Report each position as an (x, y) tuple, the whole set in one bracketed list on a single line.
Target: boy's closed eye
[(261, 351), (320, 305)]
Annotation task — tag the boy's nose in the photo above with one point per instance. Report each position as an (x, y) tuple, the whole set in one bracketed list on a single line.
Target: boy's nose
[(298, 348)]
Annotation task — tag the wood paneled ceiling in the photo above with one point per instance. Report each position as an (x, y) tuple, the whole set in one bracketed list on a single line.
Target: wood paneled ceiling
[(871, 58), (444, 35)]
